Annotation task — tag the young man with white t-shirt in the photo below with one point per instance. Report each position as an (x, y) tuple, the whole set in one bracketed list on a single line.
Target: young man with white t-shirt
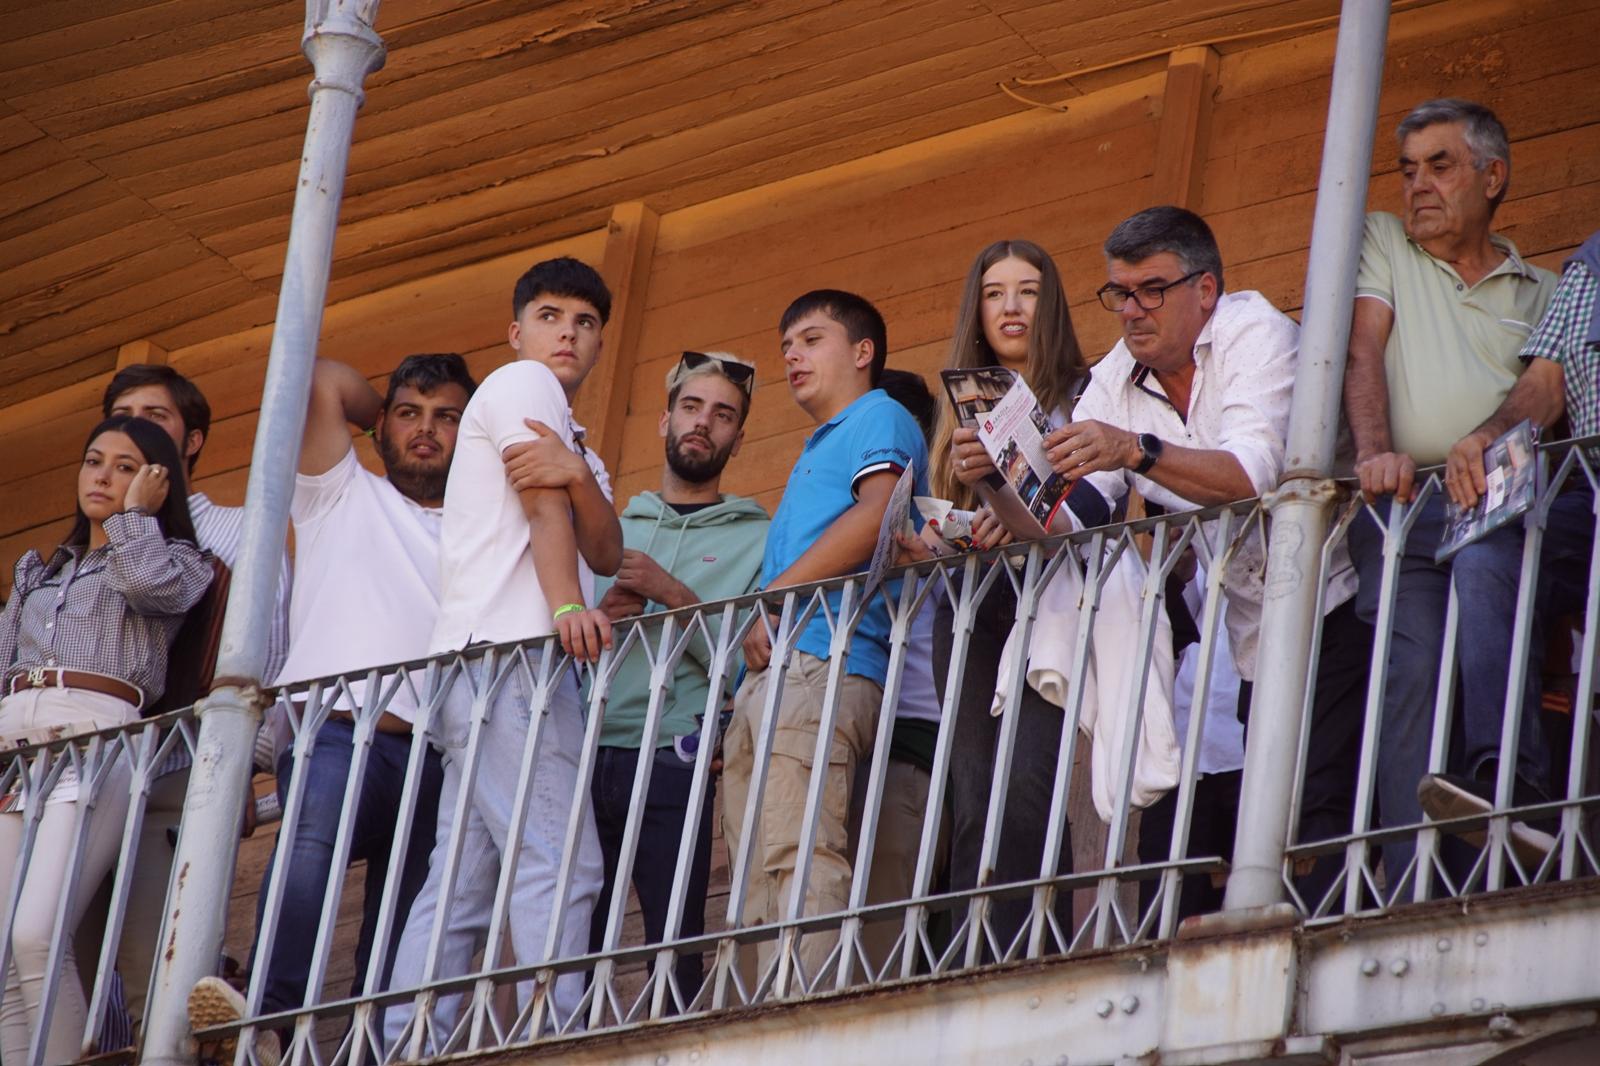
[(523, 538), (366, 593)]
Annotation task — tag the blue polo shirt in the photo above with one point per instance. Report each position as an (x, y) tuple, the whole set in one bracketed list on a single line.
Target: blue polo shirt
[(874, 434)]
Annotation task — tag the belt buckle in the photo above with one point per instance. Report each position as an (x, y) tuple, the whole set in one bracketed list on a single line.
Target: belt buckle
[(36, 677)]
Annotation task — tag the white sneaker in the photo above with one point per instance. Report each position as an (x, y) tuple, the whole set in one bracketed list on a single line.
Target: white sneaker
[(1447, 796), (212, 1002)]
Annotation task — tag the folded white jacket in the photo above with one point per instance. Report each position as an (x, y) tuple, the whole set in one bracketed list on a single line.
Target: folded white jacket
[(1111, 696)]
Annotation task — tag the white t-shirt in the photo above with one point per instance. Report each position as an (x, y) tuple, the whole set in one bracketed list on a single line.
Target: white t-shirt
[(489, 589), (366, 577)]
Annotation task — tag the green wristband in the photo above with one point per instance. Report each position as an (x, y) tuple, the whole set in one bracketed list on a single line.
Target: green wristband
[(567, 608)]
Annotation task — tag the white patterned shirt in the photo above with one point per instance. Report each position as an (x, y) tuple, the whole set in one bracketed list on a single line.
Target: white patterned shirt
[(219, 529), (1238, 403)]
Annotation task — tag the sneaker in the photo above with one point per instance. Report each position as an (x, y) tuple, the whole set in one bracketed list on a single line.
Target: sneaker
[(1447, 796), (212, 1002)]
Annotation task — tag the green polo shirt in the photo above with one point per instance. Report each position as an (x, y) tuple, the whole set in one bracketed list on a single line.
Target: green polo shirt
[(1452, 354)]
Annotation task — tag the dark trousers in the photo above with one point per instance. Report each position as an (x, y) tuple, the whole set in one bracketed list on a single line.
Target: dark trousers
[(1030, 777), (666, 813), (1333, 750), (372, 837), (1212, 826)]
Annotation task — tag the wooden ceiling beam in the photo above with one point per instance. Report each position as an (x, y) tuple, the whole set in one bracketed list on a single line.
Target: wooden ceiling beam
[(603, 404), (1182, 146)]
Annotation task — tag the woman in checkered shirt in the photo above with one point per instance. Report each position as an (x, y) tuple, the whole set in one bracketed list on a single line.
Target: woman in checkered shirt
[(83, 646)]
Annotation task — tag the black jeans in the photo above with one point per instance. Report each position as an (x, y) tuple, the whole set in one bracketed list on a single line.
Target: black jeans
[(665, 815), (1212, 827), (1333, 752), (1031, 775)]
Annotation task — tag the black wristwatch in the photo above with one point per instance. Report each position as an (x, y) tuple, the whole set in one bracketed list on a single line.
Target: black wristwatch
[(1150, 446)]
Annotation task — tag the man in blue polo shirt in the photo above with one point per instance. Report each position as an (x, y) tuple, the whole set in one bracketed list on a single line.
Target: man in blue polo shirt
[(834, 348)]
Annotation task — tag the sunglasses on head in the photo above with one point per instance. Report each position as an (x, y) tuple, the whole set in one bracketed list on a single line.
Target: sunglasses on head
[(741, 374)]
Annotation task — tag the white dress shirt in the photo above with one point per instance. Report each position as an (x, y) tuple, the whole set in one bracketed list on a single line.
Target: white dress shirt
[(1238, 403)]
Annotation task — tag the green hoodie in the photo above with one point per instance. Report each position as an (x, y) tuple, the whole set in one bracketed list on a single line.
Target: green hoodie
[(716, 551)]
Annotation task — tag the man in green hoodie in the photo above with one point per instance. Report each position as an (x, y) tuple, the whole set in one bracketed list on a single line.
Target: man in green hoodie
[(685, 545)]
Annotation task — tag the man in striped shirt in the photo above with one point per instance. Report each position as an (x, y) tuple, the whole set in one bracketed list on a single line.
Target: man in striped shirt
[(1562, 376), (173, 402)]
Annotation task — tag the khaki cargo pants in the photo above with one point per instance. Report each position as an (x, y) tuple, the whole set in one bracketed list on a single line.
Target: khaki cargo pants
[(778, 822)]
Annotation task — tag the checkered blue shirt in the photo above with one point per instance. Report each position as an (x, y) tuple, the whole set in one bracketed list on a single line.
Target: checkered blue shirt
[(1562, 337)]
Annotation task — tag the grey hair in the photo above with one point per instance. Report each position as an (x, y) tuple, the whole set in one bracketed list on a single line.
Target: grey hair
[(1167, 229), (1484, 134)]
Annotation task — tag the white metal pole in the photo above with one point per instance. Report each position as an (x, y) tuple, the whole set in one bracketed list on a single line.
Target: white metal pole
[(1301, 505), (343, 48)]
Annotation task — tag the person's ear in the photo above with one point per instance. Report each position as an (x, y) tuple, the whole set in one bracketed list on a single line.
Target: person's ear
[(377, 426), (864, 353), (666, 419), (1208, 291), (192, 443), (514, 336), (1494, 178), (738, 442)]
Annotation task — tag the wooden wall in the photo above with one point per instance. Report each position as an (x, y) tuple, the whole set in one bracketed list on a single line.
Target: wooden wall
[(1234, 130)]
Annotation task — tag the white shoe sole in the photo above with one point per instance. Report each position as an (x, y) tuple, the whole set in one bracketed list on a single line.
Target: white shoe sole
[(1443, 801)]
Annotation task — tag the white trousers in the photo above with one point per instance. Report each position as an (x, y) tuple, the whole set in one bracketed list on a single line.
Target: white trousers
[(31, 915), (485, 834)]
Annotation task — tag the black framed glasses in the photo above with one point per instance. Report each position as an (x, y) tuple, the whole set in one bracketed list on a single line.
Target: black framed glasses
[(1149, 297), (741, 374)]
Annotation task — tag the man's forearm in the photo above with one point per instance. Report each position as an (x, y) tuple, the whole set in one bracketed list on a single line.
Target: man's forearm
[(554, 546), (845, 547), (1205, 477), (1540, 396), (358, 399), (599, 534)]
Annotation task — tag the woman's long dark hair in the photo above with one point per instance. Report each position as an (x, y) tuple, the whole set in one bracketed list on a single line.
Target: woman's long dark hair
[(1055, 364), (157, 449)]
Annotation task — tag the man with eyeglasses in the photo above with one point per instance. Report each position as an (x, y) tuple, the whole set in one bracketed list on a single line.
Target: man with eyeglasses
[(687, 544), (1191, 408), (1443, 307)]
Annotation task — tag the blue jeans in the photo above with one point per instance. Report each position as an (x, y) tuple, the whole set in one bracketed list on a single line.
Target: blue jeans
[(1486, 586), (372, 837), (1486, 576)]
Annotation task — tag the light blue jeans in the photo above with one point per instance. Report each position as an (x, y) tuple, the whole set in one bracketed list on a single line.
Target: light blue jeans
[(485, 829)]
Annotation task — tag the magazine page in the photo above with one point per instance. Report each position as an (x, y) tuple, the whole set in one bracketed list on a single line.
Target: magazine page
[(1011, 426), (896, 517), (1511, 474)]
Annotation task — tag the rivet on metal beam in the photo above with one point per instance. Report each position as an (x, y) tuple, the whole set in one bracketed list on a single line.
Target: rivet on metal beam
[(1444, 944), (1481, 939), (1104, 1008), (1369, 967), (1478, 1004), (1437, 1009), (1399, 967), (1130, 1004), (1033, 1002)]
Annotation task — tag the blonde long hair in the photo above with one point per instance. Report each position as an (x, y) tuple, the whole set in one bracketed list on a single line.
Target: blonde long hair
[(1055, 363)]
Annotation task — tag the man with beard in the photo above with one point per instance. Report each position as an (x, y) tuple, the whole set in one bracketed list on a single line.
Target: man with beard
[(687, 544), (366, 593)]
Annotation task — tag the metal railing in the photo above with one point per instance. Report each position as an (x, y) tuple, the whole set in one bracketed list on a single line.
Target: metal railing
[(937, 930)]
